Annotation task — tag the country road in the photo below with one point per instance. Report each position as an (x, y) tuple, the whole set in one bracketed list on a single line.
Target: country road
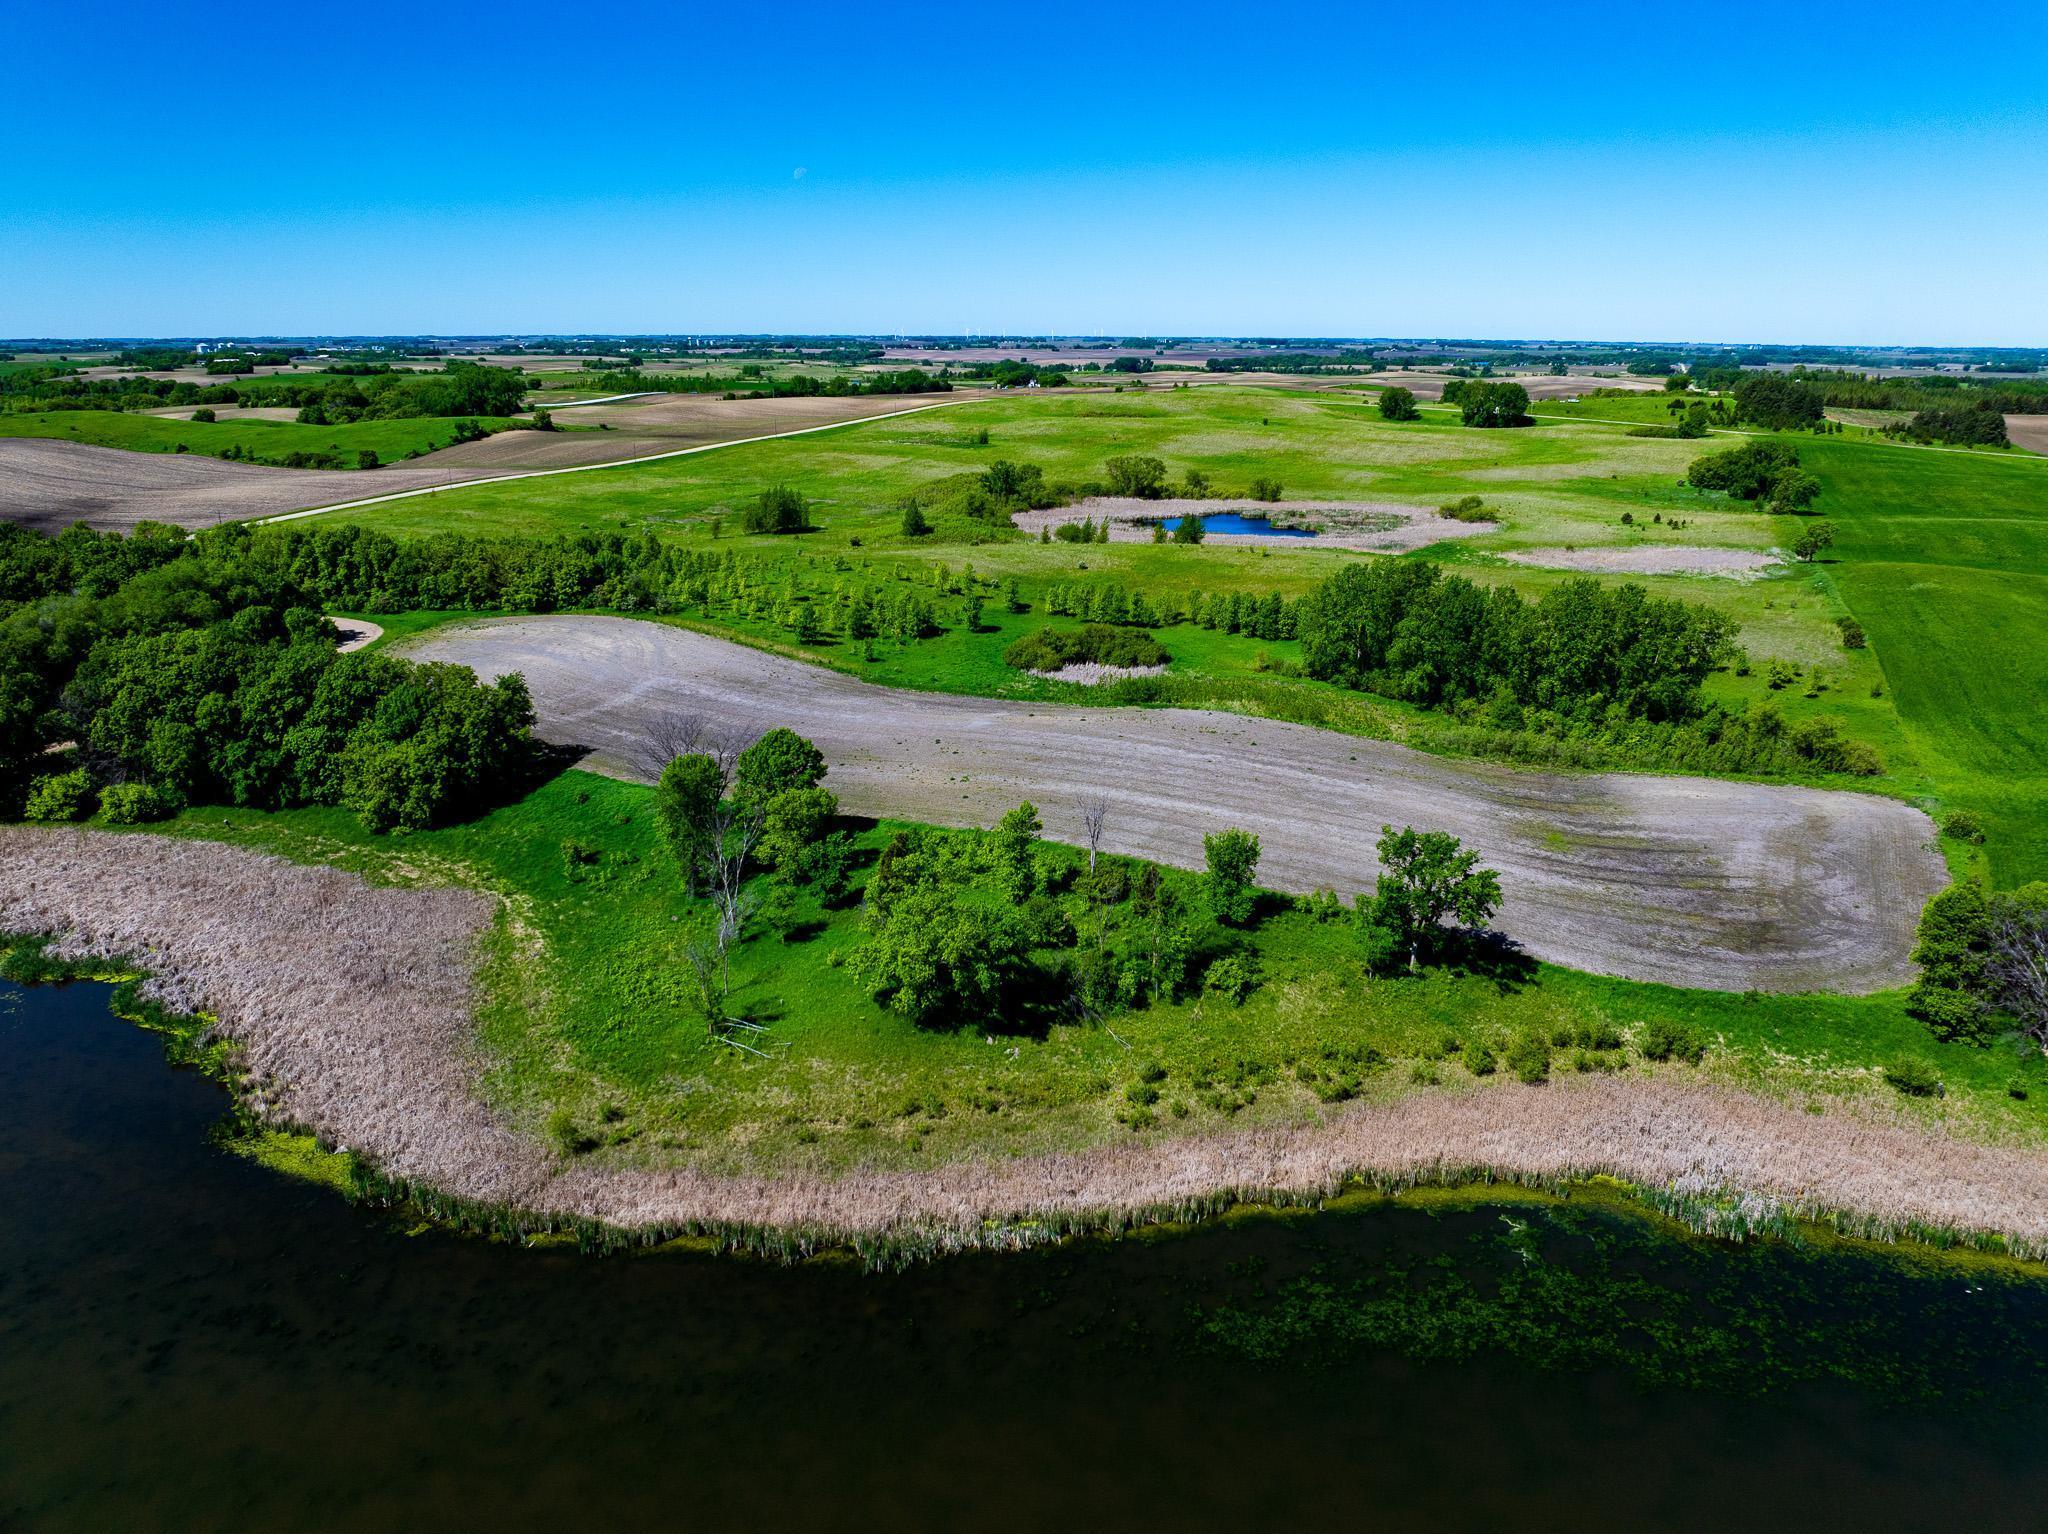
[(1686, 881)]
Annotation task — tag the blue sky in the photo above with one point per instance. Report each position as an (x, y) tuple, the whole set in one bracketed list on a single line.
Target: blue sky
[(1576, 170)]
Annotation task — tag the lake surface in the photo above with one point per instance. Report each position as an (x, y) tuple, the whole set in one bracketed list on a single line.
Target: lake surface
[(1237, 522), (190, 1341)]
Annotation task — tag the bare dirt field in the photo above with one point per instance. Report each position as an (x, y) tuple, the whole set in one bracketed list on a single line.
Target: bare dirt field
[(229, 412), (49, 485), (1688, 881), (2028, 431), (353, 1005), (679, 420), (1652, 559), (1385, 526)]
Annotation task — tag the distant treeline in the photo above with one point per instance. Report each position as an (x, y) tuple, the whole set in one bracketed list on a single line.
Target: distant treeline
[(797, 385), (1349, 360), (353, 392)]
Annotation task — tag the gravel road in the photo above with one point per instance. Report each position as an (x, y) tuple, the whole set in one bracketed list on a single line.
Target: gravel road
[(1688, 881)]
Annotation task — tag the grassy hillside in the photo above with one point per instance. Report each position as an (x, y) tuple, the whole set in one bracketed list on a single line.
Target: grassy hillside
[(1944, 559)]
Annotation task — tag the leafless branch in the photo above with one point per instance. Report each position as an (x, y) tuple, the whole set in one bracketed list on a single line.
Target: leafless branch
[(1094, 815)]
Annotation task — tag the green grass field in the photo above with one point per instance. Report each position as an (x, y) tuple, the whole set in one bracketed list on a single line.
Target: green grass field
[(587, 1007), (1944, 559), (270, 440), (1562, 485)]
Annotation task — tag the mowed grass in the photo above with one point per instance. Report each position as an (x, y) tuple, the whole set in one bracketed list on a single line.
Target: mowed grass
[(1943, 557), (586, 1006), (389, 440)]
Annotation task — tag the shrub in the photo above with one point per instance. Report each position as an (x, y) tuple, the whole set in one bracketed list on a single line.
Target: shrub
[(1233, 977), (914, 523), (1050, 649), (1471, 508), (1264, 490), (1664, 1038), (1528, 1056), (58, 797), (368, 459), (1963, 826), (1190, 529), (204, 415), (1853, 637), (134, 804), (1914, 1077), (1479, 1058)]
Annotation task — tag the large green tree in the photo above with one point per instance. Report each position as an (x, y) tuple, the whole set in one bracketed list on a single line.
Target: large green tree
[(1428, 878)]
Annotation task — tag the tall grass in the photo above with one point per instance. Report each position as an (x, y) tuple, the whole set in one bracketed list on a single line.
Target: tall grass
[(352, 1006)]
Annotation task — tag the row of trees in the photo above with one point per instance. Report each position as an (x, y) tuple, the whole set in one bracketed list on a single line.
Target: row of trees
[(1406, 630)]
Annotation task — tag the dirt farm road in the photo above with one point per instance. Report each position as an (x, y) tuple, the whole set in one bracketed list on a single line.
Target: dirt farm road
[(1687, 881)]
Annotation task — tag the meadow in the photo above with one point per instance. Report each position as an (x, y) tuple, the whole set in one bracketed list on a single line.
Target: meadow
[(1559, 485)]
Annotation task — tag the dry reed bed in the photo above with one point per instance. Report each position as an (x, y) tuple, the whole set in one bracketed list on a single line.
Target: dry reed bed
[(353, 1004)]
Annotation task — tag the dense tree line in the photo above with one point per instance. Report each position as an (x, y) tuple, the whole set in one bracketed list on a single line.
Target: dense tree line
[(1406, 630), (462, 389), (1779, 403), (795, 386), (181, 678), (1976, 423)]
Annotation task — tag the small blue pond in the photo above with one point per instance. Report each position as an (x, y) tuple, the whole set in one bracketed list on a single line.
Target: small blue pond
[(1236, 522)]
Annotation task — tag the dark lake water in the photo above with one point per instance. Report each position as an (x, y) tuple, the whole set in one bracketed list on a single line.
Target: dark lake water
[(190, 1342), (1237, 522)]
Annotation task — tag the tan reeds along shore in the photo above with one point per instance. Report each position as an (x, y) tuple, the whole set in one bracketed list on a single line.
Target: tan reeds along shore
[(353, 1004)]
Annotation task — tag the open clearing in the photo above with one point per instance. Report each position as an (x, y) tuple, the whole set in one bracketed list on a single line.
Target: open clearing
[(1679, 880), (1381, 525), (1651, 559)]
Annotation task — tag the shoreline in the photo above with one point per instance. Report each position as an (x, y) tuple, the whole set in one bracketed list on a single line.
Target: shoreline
[(351, 1007)]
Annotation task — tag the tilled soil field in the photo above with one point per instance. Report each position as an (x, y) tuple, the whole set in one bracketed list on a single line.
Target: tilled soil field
[(49, 485), (1686, 881)]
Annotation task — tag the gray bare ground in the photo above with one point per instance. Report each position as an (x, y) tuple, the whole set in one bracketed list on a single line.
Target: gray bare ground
[(1687, 881), (1652, 559)]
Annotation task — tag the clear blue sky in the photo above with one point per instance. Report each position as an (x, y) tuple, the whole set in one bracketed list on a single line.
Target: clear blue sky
[(1709, 171)]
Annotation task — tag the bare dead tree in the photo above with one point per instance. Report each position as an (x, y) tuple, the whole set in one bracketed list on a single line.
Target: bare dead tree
[(667, 736), (2017, 965), (1094, 815), (734, 833)]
